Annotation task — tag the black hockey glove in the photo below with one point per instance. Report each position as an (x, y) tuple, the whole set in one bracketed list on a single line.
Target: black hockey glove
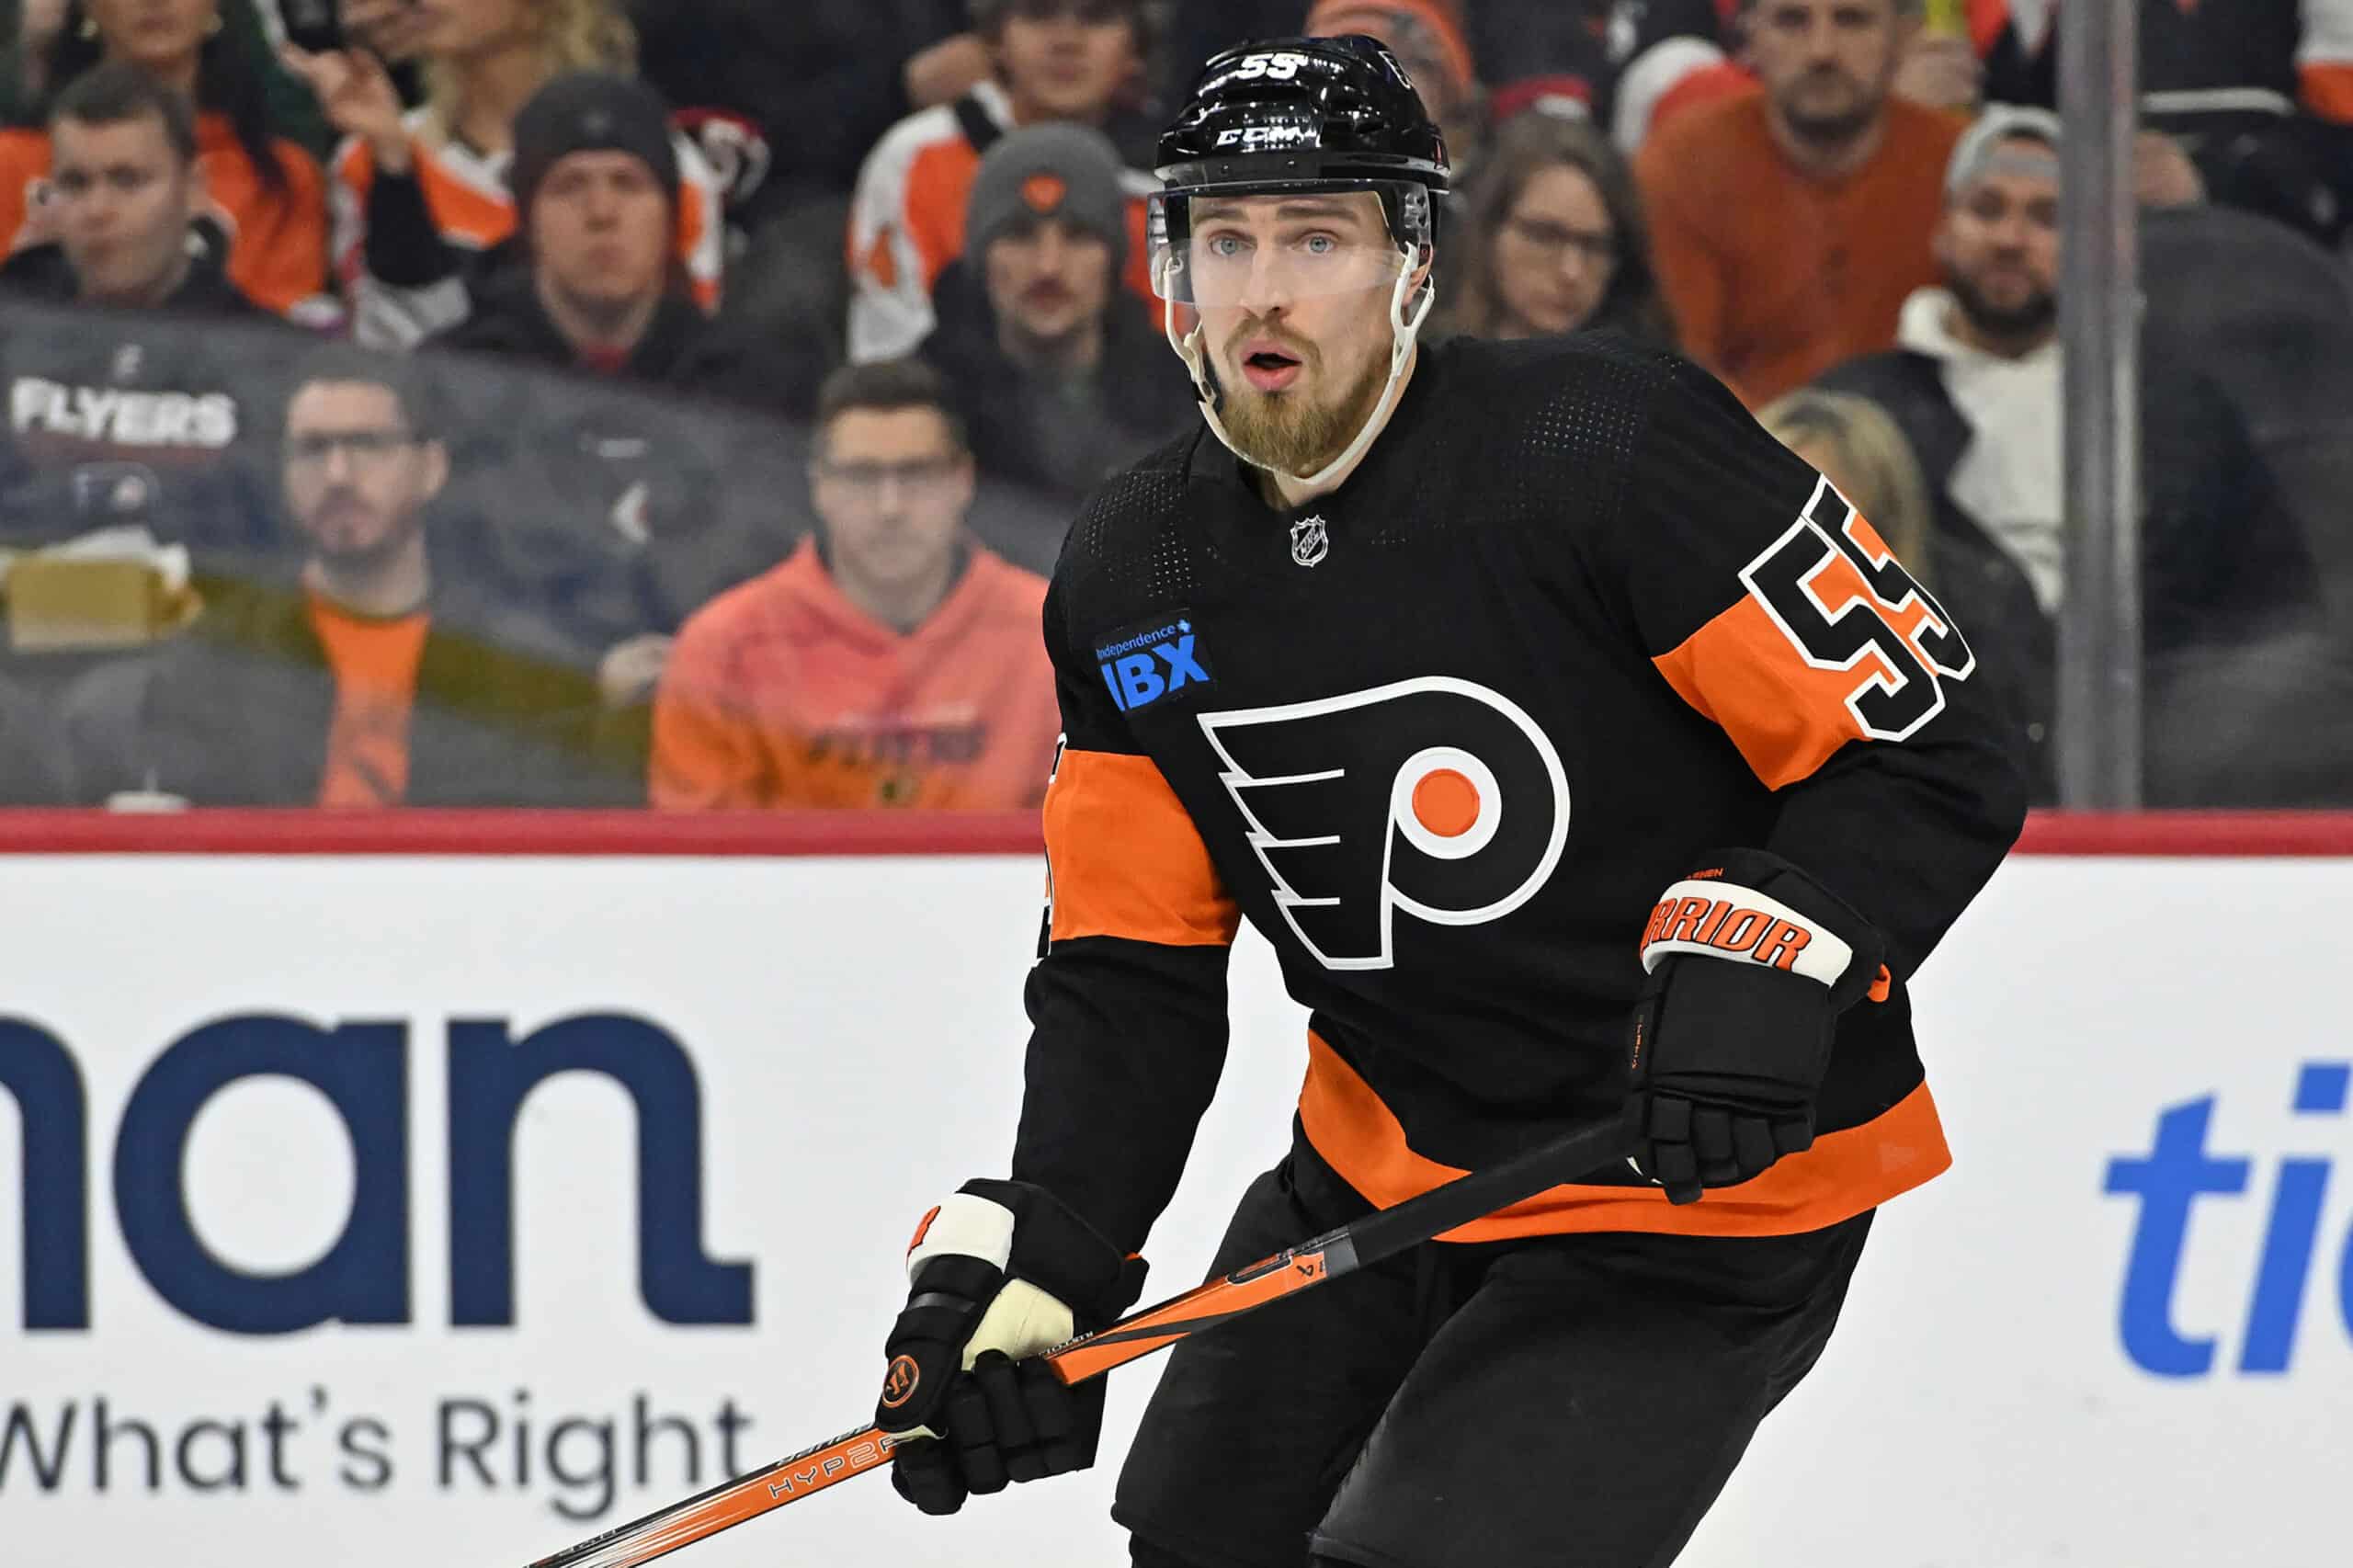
[(1750, 962), (998, 1273)]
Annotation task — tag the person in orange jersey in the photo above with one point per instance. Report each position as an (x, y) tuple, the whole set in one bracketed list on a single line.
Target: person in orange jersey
[(890, 661), (1790, 225), (420, 197), (264, 195), (1066, 59)]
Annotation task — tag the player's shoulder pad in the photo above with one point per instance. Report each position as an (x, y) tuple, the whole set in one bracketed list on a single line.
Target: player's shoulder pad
[(1532, 381), (1126, 514), (1574, 407)]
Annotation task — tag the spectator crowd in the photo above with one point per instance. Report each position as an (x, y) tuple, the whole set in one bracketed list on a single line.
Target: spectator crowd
[(678, 402)]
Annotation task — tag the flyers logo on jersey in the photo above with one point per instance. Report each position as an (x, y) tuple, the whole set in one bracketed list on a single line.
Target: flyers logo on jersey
[(1434, 796)]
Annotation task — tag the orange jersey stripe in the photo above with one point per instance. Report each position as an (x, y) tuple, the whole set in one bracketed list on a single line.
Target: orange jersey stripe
[(1125, 860), (1787, 714), (1741, 674), (1843, 1172), (1986, 21), (474, 219), (939, 184), (2328, 89)]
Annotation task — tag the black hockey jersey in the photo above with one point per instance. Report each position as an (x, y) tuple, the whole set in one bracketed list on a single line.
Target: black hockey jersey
[(1444, 735)]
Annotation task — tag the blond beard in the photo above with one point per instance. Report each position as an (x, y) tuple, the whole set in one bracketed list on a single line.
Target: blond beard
[(1282, 432)]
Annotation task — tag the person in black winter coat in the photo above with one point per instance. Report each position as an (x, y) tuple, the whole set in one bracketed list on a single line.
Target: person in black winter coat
[(590, 282), (601, 506), (1057, 376)]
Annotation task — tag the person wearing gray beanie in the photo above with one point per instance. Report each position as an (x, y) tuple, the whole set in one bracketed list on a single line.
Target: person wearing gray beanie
[(1060, 171), (1063, 377)]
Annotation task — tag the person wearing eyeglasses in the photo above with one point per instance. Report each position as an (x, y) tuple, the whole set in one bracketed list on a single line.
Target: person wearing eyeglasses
[(373, 681), (1552, 241), (890, 660)]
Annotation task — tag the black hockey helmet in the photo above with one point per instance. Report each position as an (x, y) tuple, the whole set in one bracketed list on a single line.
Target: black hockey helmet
[(1307, 115)]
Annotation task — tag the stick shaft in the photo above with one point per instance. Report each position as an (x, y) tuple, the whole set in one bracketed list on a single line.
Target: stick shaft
[(729, 1503), (1310, 1262), (1367, 1240)]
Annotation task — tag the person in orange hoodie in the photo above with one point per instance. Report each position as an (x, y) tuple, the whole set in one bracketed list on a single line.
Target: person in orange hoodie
[(889, 660), (267, 195)]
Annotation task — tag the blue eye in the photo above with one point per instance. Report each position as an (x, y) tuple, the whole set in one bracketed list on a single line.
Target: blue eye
[(1225, 246), (1320, 244)]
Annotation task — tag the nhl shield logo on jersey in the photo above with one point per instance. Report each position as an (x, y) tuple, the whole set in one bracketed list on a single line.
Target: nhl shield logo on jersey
[(1310, 541), (1434, 796)]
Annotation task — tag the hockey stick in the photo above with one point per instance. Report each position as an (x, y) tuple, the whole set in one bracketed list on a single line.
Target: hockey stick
[(1354, 1245)]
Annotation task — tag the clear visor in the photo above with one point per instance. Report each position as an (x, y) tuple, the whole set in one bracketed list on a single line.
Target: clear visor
[(1260, 251)]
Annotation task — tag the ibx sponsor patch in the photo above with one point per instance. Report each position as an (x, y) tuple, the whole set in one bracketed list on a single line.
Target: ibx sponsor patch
[(1144, 663)]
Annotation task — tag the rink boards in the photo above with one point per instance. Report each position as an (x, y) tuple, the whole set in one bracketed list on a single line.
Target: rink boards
[(690, 1106)]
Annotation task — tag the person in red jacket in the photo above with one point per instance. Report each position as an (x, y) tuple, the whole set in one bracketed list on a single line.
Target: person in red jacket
[(890, 661)]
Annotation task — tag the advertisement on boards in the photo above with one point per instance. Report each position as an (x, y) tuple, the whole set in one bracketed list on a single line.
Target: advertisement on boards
[(370, 1211), (375, 1212), (2120, 1331)]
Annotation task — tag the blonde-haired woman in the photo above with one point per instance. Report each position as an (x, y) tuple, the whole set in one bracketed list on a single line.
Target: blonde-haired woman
[(421, 198), (1860, 449)]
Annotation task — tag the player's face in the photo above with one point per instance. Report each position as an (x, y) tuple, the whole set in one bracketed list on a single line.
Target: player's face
[(1556, 252), (358, 477), (1827, 64), (1048, 281), (124, 202), (1293, 293), (1067, 59), (892, 488), (1999, 243), (600, 228), (156, 34)]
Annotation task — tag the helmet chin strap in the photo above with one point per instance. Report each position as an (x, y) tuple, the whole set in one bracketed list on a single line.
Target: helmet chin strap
[(1403, 328)]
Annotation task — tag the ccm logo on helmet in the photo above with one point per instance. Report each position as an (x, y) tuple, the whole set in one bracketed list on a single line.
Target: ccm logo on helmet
[(1434, 796)]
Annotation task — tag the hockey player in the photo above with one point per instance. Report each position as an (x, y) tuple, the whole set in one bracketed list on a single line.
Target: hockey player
[(1511, 691)]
